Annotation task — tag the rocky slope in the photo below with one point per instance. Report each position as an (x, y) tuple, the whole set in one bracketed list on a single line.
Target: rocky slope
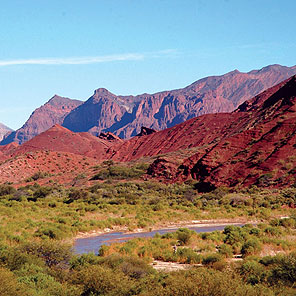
[(60, 139), (263, 152), (4, 130), (125, 115), (53, 112)]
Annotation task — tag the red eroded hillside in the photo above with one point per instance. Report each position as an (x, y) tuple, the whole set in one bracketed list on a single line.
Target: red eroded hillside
[(61, 139), (202, 132), (9, 148), (255, 144), (47, 168), (264, 153)]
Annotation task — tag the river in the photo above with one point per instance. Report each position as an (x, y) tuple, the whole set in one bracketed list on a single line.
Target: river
[(93, 244)]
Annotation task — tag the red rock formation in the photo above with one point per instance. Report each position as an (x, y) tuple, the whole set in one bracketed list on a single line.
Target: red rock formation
[(125, 115), (53, 112), (9, 148), (99, 112), (61, 167), (255, 144), (146, 131), (109, 137), (264, 152)]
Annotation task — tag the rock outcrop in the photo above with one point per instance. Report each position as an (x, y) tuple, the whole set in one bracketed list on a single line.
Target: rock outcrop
[(124, 116), (253, 145), (146, 131)]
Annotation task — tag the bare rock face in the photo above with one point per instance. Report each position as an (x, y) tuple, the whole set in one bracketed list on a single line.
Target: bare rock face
[(53, 112), (146, 131), (4, 130), (163, 168), (110, 137), (125, 115)]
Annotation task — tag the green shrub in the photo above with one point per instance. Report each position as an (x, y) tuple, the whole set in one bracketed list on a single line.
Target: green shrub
[(52, 252), (6, 190), (251, 247), (10, 286), (36, 176), (49, 231), (273, 231), (101, 280), (77, 194), (284, 270), (187, 255), (211, 259), (225, 250), (184, 235), (120, 172), (42, 192), (252, 272), (233, 235)]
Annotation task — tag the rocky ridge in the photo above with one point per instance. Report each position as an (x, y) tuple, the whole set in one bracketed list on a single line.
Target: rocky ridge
[(125, 115), (51, 113)]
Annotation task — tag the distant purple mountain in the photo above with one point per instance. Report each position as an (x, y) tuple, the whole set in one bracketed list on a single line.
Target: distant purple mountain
[(125, 115)]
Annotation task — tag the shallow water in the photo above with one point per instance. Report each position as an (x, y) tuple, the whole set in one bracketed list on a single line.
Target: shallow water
[(93, 244)]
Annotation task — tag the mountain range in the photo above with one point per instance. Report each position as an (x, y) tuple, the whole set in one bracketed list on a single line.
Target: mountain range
[(125, 115), (253, 145)]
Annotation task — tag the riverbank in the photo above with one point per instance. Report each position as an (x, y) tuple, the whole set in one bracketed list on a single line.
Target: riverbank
[(169, 225)]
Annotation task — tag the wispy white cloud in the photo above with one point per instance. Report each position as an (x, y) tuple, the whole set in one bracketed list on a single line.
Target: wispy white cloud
[(88, 60)]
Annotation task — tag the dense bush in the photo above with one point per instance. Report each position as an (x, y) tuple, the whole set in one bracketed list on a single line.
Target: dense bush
[(184, 235), (121, 172), (10, 286), (251, 247), (6, 189)]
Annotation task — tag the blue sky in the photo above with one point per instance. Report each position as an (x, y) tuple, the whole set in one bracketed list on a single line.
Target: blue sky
[(72, 47)]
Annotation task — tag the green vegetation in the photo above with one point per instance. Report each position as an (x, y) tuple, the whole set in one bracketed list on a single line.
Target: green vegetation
[(36, 222), (60, 213), (120, 172)]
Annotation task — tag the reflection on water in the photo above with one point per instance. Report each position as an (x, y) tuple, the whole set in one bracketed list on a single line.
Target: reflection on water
[(92, 244)]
